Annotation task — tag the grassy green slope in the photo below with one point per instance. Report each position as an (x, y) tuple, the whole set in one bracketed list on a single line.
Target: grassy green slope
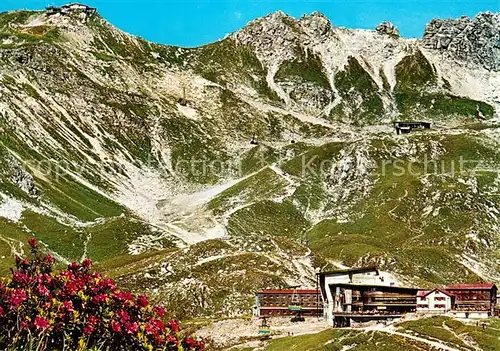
[(414, 225), (455, 333), (226, 60), (259, 186), (418, 97), (419, 221), (361, 99), (306, 69), (211, 278), (446, 331), (337, 340)]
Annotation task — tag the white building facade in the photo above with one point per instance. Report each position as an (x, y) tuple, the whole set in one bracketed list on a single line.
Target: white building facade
[(434, 301)]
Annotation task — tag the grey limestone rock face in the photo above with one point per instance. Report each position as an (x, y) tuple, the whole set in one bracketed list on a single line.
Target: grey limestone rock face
[(387, 28), (318, 23), (21, 178), (270, 36), (475, 40)]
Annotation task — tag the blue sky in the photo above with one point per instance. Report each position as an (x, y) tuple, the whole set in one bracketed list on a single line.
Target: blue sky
[(198, 22)]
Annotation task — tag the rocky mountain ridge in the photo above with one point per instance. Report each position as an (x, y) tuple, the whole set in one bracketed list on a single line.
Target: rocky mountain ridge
[(312, 43), (473, 40)]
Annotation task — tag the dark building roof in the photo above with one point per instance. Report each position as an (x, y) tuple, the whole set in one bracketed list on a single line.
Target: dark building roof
[(356, 286), (475, 286), (351, 271), (412, 123), (289, 291)]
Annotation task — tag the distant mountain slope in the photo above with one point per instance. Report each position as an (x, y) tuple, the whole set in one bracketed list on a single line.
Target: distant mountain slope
[(253, 161)]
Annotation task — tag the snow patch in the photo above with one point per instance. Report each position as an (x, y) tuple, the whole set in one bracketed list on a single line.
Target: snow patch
[(10, 208), (188, 112)]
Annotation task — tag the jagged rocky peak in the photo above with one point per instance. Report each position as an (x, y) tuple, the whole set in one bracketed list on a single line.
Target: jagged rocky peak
[(317, 23), (274, 34), (279, 34), (387, 28), (475, 40), (271, 20)]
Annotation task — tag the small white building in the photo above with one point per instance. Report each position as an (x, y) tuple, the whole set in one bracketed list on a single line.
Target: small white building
[(434, 301), (68, 9), (75, 6)]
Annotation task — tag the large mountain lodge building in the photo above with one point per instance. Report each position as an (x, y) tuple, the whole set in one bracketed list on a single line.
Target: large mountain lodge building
[(288, 302), (474, 297), (366, 294)]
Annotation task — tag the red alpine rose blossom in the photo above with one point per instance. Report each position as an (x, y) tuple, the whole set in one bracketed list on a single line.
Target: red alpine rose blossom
[(68, 306), (69, 289), (44, 279), (49, 259), (106, 284), (20, 278), (87, 263), (160, 311), (93, 320), (98, 299), (171, 339), (142, 301), (123, 316), (88, 330), (127, 296), (17, 297), (33, 243), (92, 323), (154, 327), (174, 326), (40, 323), (124, 296), (116, 327), (75, 305), (189, 342), (130, 328), (42, 290)]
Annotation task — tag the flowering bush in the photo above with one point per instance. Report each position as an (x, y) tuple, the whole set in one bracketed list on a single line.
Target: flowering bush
[(77, 309)]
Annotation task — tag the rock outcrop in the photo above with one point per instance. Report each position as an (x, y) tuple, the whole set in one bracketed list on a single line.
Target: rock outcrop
[(272, 36), (475, 40), (21, 178), (317, 23), (387, 28)]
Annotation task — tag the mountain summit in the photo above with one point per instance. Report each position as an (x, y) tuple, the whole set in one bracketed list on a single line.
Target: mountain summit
[(475, 40)]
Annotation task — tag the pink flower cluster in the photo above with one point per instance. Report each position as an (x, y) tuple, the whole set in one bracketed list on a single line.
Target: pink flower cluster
[(80, 309)]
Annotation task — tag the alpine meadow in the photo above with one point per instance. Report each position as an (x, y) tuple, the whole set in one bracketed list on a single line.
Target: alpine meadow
[(201, 176)]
